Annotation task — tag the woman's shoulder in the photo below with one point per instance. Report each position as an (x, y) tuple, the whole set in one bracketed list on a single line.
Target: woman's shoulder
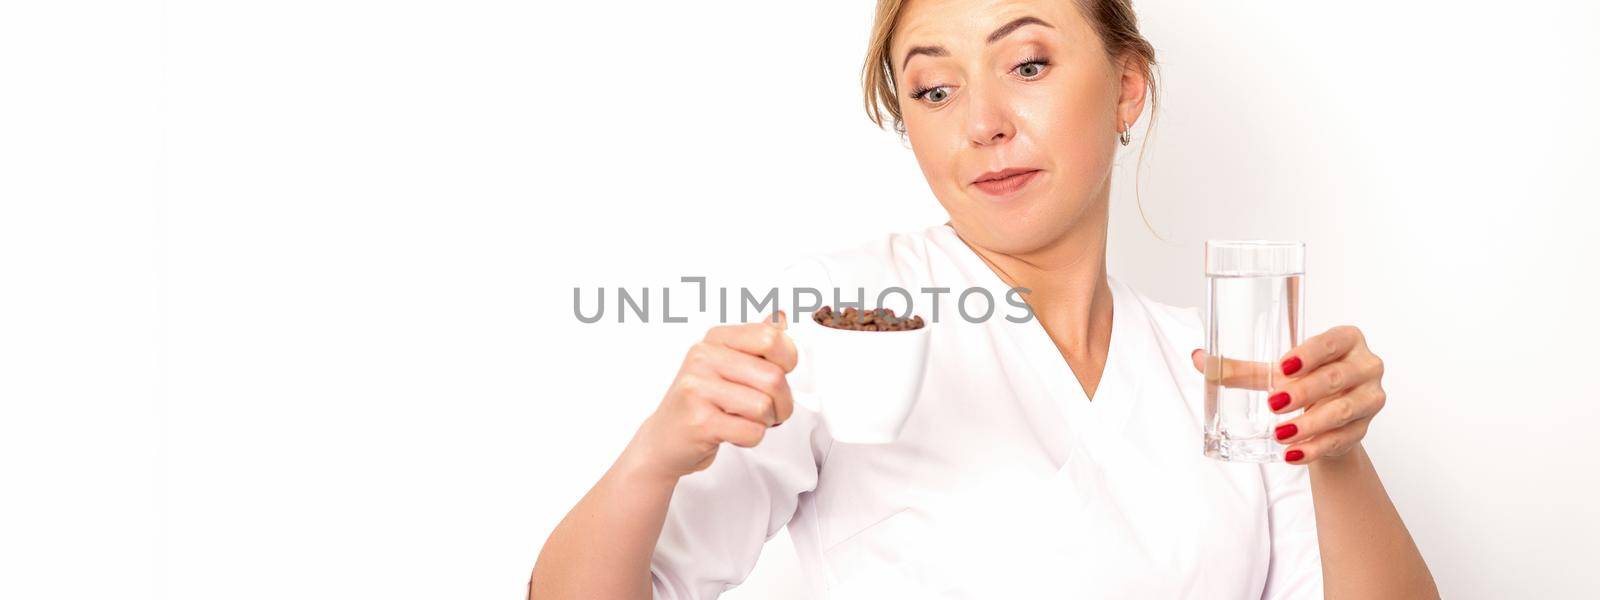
[(1176, 322)]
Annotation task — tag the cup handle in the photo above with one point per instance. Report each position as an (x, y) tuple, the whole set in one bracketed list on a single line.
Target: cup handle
[(803, 379)]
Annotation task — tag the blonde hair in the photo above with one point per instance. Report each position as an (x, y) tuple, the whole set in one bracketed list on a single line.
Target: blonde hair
[(1114, 21)]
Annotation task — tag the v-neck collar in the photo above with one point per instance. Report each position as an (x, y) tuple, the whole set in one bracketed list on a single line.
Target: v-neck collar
[(1119, 386)]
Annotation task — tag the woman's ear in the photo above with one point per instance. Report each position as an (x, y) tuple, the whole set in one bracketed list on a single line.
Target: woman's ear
[(1133, 85)]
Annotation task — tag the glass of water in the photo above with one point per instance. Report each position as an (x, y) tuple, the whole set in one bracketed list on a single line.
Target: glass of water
[(1255, 307)]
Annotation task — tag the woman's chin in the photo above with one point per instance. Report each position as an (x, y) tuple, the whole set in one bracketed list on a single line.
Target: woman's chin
[(1008, 235)]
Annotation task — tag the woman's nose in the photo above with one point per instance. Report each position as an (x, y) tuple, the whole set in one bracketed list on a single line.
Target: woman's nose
[(988, 119)]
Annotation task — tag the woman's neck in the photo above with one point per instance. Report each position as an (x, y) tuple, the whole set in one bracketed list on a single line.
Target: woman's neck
[(1069, 293)]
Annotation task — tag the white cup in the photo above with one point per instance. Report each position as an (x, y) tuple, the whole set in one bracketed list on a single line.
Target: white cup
[(862, 383)]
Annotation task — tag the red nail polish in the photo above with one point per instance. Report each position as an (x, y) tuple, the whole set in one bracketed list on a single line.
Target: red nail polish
[(1293, 455), (1291, 365), (1278, 401), (1286, 430)]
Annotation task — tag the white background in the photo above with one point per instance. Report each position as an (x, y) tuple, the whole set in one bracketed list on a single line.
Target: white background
[(285, 288)]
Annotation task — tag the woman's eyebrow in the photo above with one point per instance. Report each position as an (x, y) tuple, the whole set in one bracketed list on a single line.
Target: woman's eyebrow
[(928, 50), (1014, 25), (1003, 31)]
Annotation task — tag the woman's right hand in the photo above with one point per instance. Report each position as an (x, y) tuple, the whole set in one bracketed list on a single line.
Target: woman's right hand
[(731, 388)]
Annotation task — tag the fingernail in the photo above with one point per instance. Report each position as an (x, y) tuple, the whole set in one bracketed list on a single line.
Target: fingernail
[(1278, 401), (1291, 365), (1293, 455), (1286, 430)]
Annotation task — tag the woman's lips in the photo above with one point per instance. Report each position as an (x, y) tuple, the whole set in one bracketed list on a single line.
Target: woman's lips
[(1007, 185)]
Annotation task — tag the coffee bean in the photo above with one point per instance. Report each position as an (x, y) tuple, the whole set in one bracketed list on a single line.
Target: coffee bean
[(877, 319)]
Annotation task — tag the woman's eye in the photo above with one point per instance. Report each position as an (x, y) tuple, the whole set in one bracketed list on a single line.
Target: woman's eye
[(1031, 69), (935, 95)]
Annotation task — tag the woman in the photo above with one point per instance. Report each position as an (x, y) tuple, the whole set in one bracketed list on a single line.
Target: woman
[(1053, 458)]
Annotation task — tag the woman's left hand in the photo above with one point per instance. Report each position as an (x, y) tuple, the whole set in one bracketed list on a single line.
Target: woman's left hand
[(1334, 376)]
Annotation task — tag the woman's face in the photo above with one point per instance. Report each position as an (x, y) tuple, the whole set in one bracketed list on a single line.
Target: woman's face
[(992, 86)]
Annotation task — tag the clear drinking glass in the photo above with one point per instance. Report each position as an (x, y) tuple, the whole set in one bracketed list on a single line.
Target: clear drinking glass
[(1255, 292)]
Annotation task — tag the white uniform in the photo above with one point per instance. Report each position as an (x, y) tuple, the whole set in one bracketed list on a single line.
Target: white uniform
[(1007, 482)]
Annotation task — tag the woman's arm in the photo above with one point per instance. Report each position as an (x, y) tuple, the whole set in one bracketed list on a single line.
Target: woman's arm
[(602, 548), (1366, 550), (731, 388)]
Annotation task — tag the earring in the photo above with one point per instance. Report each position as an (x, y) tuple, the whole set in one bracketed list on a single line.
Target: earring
[(1126, 136)]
